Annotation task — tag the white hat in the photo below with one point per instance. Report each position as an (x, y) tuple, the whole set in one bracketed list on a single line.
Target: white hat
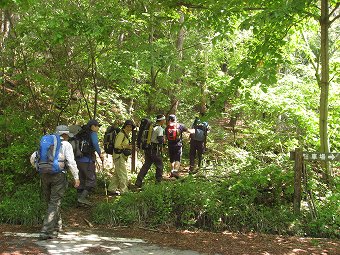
[(63, 129)]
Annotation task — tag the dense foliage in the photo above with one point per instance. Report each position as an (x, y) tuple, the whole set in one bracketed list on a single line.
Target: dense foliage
[(253, 69)]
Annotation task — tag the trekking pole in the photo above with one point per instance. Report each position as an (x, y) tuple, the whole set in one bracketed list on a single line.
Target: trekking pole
[(105, 186)]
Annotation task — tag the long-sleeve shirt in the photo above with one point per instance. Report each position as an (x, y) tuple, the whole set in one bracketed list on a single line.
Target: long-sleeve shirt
[(121, 141), (65, 155), (67, 152)]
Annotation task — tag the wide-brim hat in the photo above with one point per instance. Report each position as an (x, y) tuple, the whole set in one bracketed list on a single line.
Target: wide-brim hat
[(63, 129), (74, 129)]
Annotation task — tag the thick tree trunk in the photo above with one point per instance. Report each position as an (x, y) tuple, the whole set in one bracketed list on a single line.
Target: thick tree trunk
[(324, 82)]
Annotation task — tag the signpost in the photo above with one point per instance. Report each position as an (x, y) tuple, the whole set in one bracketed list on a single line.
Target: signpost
[(299, 157)]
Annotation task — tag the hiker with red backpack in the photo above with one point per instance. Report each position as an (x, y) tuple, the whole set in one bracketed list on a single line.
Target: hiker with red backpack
[(174, 132)]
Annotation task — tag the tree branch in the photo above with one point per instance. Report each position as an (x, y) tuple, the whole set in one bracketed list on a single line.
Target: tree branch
[(316, 17), (335, 18), (335, 8)]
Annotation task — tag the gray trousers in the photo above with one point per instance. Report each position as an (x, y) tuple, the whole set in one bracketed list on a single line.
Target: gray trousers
[(54, 187), (87, 176)]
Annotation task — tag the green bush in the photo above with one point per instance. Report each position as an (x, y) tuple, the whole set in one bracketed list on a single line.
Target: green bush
[(121, 211), (24, 207), (236, 204), (327, 223), (27, 205)]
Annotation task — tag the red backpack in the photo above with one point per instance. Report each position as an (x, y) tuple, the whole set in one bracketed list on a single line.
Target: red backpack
[(173, 132)]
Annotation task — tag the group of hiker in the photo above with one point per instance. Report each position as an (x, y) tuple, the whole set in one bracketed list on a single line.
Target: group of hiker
[(65, 150)]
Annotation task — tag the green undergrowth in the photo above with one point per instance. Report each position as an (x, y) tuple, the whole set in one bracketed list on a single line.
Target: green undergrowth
[(259, 200), (27, 206), (256, 202)]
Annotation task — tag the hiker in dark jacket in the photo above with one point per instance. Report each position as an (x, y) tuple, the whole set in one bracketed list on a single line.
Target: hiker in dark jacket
[(153, 154), (198, 139), (87, 165)]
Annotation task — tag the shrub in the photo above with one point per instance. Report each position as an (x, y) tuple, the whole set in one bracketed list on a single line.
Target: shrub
[(24, 207)]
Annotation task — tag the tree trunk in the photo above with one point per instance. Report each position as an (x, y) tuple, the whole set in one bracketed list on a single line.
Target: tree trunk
[(179, 47), (153, 73), (324, 82), (94, 79)]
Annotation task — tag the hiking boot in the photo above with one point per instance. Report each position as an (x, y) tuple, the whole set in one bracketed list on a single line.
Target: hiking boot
[(82, 199), (45, 236), (55, 234), (138, 184), (174, 174), (113, 193), (135, 188), (193, 171)]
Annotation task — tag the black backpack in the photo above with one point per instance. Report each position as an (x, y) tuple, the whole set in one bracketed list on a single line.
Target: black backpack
[(81, 143), (109, 139), (144, 134)]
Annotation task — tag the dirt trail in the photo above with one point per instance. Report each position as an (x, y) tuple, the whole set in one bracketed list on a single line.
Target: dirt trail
[(199, 241)]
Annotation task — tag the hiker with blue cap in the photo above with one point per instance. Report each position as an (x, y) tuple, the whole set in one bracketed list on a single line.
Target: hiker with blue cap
[(87, 163)]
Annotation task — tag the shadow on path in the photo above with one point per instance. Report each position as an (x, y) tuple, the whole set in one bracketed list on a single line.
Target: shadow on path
[(90, 242)]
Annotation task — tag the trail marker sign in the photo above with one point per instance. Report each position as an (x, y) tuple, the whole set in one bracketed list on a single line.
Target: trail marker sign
[(321, 156)]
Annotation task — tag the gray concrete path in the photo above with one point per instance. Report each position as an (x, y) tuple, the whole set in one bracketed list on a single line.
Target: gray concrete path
[(98, 242)]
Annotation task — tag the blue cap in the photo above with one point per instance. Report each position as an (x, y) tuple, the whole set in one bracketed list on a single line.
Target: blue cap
[(93, 122)]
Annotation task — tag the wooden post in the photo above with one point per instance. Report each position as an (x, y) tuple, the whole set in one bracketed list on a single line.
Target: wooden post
[(297, 180), (133, 156)]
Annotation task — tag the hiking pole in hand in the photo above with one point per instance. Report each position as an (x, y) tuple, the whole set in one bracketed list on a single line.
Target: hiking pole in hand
[(105, 186)]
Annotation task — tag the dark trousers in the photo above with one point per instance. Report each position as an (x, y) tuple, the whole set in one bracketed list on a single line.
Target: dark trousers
[(87, 176), (54, 187), (175, 153), (152, 156), (196, 148)]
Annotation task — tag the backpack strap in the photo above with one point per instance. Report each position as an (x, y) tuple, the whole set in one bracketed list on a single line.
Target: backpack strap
[(126, 136), (148, 140)]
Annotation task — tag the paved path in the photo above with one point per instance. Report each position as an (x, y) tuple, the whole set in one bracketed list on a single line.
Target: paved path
[(98, 242)]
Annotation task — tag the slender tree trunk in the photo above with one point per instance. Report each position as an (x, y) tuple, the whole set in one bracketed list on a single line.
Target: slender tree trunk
[(152, 69), (94, 78), (153, 72), (203, 106), (179, 47), (324, 82)]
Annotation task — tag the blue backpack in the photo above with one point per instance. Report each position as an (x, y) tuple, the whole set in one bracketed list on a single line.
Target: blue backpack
[(47, 157)]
